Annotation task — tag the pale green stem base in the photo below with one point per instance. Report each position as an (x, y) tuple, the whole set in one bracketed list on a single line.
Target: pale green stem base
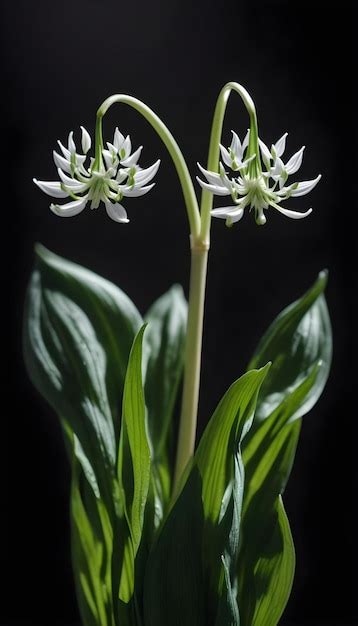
[(189, 409)]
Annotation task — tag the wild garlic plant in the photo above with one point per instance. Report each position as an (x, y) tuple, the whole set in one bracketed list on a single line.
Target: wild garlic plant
[(188, 534)]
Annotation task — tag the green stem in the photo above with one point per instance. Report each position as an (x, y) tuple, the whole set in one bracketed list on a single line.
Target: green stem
[(214, 149), (199, 257), (189, 408), (99, 147), (172, 147)]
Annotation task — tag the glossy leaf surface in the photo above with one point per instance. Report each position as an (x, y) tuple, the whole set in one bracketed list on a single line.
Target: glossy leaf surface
[(299, 344), (211, 497)]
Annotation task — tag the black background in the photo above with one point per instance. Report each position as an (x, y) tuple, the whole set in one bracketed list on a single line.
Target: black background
[(61, 60)]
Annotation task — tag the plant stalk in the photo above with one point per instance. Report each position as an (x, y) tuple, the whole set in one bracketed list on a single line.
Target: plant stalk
[(190, 400)]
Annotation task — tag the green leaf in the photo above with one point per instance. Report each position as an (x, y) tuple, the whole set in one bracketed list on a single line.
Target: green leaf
[(91, 539), (226, 429), (134, 456), (211, 501), (164, 342), (110, 312), (274, 570), (163, 349), (299, 344), (297, 340), (133, 472), (174, 585), (78, 329), (67, 364)]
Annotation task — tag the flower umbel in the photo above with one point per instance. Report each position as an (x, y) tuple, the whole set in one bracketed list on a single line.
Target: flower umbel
[(116, 174), (253, 187)]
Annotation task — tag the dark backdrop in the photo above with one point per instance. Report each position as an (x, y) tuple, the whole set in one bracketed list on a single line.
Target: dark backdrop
[(61, 59)]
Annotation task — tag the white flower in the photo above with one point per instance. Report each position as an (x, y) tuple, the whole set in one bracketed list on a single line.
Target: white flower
[(116, 174), (253, 187)]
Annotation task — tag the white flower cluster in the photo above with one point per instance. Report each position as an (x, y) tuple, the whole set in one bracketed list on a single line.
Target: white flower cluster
[(116, 175), (253, 187)]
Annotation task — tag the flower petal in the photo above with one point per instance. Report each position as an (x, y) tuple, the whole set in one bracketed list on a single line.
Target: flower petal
[(108, 158), (144, 176), (118, 139), (305, 187), (52, 189), (266, 154), (132, 160), (224, 179), (279, 147), (71, 143), (225, 156), (70, 208), (236, 146), (245, 143), (295, 162), (126, 148), (136, 192), (71, 185), (215, 189), (295, 215), (68, 180), (234, 213), (121, 176), (66, 153), (212, 177), (86, 140), (61, 162), (117, 212)]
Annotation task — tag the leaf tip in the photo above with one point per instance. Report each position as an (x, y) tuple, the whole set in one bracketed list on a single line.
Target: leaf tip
[(322, 278), (265, 368), (40, 249), (42, 253)]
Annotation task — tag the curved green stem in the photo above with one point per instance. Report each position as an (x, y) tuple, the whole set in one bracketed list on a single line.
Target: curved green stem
[(214, 149), (171, 145)]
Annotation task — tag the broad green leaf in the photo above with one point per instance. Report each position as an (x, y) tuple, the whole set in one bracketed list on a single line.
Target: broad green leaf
[(267, 552), (268, 454), (220, 464), (211, 497), (78, 330), (228, 426), (113, 316), (67, 364), (298, 339), (299, 344), (133, 471)]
